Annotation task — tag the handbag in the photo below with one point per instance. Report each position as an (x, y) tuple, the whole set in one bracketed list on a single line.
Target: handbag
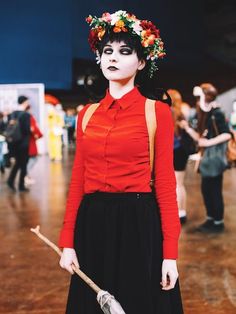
[(214, 161)]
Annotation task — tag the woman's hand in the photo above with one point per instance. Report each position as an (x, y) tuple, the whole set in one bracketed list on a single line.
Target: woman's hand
[(169, 274), (69, 259)]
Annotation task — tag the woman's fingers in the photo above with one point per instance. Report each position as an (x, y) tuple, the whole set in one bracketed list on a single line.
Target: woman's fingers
[(70, 269), (69, 260), (164, 279), (170, 282)]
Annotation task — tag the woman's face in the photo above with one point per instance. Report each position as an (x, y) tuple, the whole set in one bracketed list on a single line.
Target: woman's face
[(119, 62)]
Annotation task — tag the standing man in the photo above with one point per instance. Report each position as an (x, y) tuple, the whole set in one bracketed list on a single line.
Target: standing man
[(20, 149)]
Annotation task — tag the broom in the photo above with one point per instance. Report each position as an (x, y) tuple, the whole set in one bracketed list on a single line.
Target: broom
[(107, 302)]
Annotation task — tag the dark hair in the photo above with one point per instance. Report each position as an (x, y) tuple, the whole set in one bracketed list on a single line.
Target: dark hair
[(22, 99)]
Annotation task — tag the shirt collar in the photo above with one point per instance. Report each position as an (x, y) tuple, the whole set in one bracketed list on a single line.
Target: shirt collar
[(125, 101)]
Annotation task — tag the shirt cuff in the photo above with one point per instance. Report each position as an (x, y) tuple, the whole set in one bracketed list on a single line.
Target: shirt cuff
[(170, 249), (66, 238)]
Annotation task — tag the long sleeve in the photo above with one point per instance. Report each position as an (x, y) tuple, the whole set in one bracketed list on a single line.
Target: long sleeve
[(76, 190), (165, 183)]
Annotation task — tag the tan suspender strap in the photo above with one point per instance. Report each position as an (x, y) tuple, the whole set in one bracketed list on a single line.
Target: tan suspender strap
[(88, 114), (151, 121)]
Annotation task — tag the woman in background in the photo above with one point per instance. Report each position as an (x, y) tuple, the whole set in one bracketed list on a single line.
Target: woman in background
[(180, 111), (212, 129)]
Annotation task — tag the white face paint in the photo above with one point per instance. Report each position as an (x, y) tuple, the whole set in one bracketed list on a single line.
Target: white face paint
[(119, 62), (198, 92)]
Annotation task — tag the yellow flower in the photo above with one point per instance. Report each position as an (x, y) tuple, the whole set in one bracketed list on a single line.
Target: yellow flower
[(120, 24), (145, 43), (101, 32)]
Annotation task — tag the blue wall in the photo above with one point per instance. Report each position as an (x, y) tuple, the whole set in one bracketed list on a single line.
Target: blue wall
[(36, 42), (39, 39)]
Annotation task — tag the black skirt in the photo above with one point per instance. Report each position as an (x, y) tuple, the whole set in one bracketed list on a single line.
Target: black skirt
[(118, 241), (180, 159)]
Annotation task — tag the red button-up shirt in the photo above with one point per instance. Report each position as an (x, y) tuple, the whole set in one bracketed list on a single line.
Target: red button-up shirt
[(112, 155)]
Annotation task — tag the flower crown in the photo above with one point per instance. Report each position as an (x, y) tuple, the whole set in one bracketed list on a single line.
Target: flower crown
[(121, 21)]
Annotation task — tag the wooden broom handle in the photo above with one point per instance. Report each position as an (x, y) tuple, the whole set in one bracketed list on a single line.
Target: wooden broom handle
[(79, 272)]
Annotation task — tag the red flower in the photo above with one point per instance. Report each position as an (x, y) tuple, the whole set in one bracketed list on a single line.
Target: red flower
[(93, 39), (89, 19), (147, 25), (161, 54)]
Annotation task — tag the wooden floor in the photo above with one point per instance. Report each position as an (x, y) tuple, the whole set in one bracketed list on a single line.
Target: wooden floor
[(31, 280)]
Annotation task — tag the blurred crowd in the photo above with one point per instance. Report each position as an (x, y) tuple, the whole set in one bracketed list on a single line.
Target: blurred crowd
[(19, 135)]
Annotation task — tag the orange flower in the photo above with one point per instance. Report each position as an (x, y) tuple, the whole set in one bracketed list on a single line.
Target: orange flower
[(116, 29), (151, 39), (124, 29)]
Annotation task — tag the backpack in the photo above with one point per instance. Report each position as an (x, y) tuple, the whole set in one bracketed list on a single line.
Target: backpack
[(13, 131), (231, 149)]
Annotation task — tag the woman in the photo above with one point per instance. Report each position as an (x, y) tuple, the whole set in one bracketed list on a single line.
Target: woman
[(55, 124), (123, 235), (3, 144), (212, 130), (35, 134), (180, 111)]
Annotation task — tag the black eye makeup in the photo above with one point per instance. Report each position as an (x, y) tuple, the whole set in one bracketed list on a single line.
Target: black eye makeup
[(124, 50), (107, 50)]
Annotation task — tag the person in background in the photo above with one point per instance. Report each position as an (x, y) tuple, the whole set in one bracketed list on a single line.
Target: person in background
[(33, 150), (210, 118), (180, 111), (232, 119), (20, 149), (55, 124), (3, 144), (70, 121)]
